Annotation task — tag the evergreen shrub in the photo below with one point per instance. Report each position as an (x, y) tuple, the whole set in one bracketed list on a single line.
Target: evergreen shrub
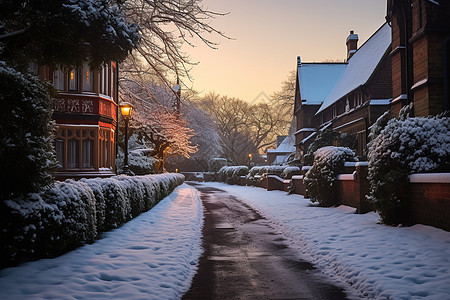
[(320, 179), (73, 213), (403, 147), (27, 157)]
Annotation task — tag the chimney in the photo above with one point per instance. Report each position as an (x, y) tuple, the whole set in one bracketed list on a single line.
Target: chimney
[(299, 62), (352, 44)]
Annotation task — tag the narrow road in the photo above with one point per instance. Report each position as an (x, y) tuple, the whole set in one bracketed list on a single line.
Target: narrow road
[(245, 258)]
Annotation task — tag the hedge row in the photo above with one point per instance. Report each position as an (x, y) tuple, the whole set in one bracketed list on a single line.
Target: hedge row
[(73, 213), (231, 174)]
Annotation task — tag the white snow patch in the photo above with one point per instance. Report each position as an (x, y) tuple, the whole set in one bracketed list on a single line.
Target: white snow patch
[(430, 178), (368, 259), (154, 256)]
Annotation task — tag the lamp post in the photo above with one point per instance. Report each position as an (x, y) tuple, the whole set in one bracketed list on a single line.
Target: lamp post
[(249, 160), (125, 109)]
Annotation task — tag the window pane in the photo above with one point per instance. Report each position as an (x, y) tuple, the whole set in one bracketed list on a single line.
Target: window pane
[(72, 154), (105, 145), (58, 80), (73, 83), (59, 148), (88, 79), (88, 148)]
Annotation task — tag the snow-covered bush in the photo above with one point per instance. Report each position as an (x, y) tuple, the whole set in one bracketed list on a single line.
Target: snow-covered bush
[(215, 164), (379, 125), (232, 174), (48, 223), (413, 145), (134, 192), (320, 179), (72, 213), (275, 170), (222, 175), (27, 157), (138, 162), (288, 172), (100, 204)]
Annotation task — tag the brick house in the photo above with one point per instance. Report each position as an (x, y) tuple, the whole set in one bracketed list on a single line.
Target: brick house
[(85, 110), (420, 54), (314, 81), (354, 98)]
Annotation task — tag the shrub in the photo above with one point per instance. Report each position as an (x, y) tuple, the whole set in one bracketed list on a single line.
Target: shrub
[(138, 162), (275, 170), (100, 204), (215, 164), (48, 223), (288, 172), (232, 174), (320, 179), (134, 192), (71, 213), (412, 145), (27, 157)]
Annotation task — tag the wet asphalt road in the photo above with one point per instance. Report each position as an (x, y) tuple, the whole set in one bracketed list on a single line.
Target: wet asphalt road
[(245, 258)]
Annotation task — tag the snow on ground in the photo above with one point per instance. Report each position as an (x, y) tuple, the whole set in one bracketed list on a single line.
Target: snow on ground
[(368, 259), (154, 256)]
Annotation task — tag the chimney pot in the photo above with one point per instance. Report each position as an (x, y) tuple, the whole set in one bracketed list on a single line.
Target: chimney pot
[(352, 44)]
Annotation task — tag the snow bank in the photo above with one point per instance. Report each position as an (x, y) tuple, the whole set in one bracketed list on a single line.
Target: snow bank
[(154, 256), (73, 213), (368, 259)]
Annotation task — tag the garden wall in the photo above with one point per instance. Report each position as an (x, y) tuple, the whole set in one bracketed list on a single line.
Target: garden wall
[(351, 189), (429, 199)]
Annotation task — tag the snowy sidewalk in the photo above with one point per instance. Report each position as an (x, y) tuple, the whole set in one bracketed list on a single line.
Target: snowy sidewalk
[(368, 259), (151, 257)]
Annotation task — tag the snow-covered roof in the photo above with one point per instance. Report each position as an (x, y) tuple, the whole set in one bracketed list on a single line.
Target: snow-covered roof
[(287, 146), (317, 79), (361, 65)]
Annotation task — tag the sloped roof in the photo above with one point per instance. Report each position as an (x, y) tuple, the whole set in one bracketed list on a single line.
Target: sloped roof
[(317, 79), (360, 66), (287, 146)]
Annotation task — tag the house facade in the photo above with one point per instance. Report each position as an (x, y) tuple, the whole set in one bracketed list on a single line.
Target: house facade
[(349, 100), (420, 54), (85, 110)]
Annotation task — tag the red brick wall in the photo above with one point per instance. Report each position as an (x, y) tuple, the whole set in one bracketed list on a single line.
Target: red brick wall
[(429, 204), (274, 183)]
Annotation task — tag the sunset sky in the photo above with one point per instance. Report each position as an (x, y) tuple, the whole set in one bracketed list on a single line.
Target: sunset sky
[(268, 36)]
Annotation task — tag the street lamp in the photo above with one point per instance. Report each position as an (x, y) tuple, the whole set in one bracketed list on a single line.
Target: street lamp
[(125, 109), (249, 160)]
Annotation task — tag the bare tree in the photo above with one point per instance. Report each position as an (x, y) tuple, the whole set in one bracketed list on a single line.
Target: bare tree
[(160, 125), (165, 26)]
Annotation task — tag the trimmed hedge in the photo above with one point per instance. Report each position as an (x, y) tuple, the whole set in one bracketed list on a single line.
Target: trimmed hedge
[(231, 175), (74, 213)]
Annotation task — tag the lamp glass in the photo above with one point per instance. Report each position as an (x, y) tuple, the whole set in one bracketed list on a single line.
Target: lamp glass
[(126, 109)]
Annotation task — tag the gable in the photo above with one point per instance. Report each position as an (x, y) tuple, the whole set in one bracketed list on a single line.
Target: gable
[(361, 66)]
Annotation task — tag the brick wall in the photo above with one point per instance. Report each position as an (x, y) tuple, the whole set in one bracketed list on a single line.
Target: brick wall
[(429, 202), (275, 183), (353, 188)]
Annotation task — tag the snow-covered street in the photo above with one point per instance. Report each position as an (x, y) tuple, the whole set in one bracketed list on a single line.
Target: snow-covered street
[(151, 257), (155, 255), (368, 259)]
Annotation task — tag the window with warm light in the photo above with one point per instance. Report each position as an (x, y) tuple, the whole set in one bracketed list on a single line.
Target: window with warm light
[(88, 78), (73, 80)]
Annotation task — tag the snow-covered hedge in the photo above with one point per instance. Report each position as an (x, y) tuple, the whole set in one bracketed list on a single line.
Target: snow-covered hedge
[(288, 172), (411, 145), (138, 162), (231, 174), (320, 179), (73, 213), (215, 164)]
